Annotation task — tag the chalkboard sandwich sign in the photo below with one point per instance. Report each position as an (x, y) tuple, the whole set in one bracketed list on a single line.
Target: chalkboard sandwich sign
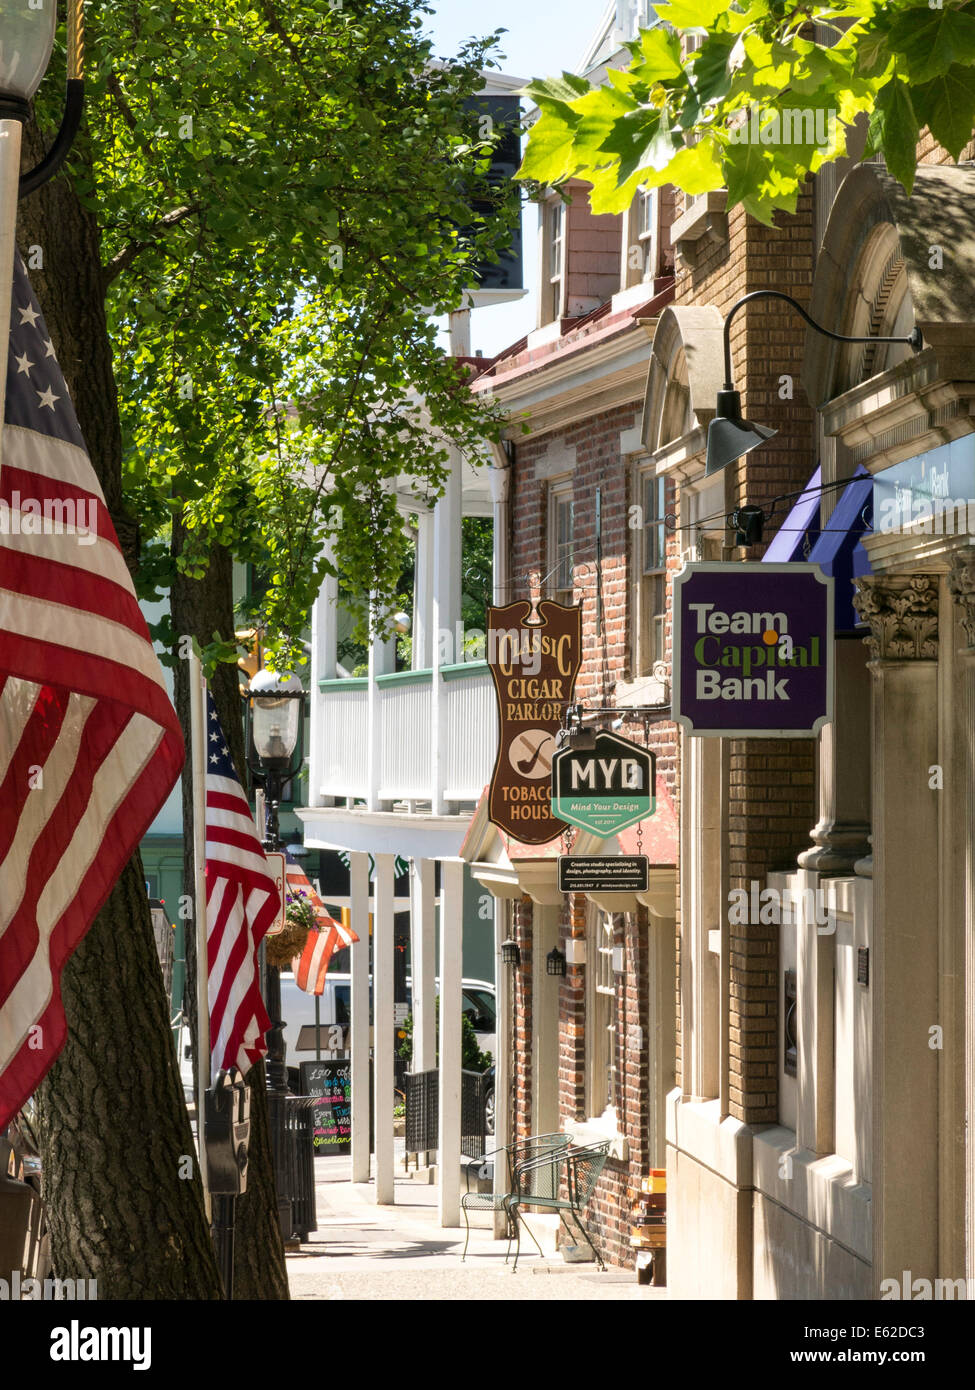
[(332, 1117)]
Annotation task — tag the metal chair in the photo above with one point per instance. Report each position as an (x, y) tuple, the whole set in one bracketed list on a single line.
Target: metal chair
[(541, 1181), (516, 1153)]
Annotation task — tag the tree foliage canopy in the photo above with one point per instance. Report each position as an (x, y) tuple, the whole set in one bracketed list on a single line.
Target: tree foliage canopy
[(285, 196), (905, 64)]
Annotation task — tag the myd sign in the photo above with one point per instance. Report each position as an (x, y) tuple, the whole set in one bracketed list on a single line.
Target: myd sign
[(605, 788), (753, 650)]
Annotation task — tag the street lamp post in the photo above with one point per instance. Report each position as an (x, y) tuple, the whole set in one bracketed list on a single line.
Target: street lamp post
[(26, 40), (274, 727)]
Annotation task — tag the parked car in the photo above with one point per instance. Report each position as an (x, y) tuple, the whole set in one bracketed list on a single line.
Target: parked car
[(298, 1010), (489, 1101), (334, 1006), (479, 1004)]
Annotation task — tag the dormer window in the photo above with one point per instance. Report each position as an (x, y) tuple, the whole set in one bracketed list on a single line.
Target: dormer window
[(641, 240), (646, 230), (555, 213)]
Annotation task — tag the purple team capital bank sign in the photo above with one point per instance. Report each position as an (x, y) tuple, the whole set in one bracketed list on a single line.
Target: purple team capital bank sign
[(753, 650)]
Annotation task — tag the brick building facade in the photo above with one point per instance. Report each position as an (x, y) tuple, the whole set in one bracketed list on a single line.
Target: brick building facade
[(784, 1081), (592, 1052)]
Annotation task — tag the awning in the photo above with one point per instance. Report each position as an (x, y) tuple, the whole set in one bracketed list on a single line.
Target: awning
[(839, 550), (508, 868), (800, 526), (837, 547)]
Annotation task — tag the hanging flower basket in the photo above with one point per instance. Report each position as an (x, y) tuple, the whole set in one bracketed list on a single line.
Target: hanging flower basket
[(299, 918)]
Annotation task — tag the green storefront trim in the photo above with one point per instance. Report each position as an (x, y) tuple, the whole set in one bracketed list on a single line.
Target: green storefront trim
[(456, 672), (404, 678), (461, 669), (345, 683)]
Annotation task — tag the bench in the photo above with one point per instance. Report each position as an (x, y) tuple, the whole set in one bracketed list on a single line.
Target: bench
[(561, 1180)]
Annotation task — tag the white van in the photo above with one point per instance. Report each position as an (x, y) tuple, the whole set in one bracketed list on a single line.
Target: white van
[(298, 1010)]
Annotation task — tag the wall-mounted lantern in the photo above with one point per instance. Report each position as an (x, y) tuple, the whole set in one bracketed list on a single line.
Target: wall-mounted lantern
[(555, 962), (510, 952)]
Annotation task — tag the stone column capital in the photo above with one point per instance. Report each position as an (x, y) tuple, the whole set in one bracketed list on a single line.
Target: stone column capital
[(961, 584), (902, 613)]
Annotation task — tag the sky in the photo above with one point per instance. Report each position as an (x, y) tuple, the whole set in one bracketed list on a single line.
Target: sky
[(544, 37)]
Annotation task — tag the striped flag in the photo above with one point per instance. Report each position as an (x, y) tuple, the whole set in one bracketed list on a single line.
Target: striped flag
[(242, 902), (311, 966), (89, 742)]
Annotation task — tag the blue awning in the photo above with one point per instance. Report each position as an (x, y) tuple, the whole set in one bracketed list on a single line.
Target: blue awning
[(839, 550), (836, 548), (800, 526)]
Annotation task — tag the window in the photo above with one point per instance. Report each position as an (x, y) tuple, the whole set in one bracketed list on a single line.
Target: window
[(561, 554), (702, 517), (556, 258), (652, 570), (601, 1073), (641, 254), (479, 1005), (645, 228)]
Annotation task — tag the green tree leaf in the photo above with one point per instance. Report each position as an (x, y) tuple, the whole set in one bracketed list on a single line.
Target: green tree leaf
[(894, 129), (947, 105)]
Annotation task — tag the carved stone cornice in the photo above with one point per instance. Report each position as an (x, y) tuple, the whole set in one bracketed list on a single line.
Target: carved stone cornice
[(902, 613), (961, 583)]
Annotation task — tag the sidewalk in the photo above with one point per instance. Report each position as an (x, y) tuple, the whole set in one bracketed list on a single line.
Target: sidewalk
[(361, 1251)]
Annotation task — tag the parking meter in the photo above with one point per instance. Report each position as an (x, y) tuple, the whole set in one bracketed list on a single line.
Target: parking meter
[(228, 1106)]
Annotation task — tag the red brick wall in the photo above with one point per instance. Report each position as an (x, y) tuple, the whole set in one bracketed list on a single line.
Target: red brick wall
[(607, 641), (521, 1069), (771, 792)]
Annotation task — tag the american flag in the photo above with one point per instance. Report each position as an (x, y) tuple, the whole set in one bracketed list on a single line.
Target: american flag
[(89, 742), (311, 966), (242, 902)]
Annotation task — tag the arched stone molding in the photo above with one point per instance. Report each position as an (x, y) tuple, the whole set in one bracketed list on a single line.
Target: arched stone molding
[(878, 273), (686, 373)]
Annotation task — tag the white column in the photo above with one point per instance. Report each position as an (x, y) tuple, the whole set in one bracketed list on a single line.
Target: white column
[(384, 1034), (961, 877), (423, 594), (382, 659), (501, 497), (424, 970), (460, 333), (324, 649), (502, 1056), (451, 999), (446, 615), (815, 973), (903, 615), (10, 135), (359, 1042)]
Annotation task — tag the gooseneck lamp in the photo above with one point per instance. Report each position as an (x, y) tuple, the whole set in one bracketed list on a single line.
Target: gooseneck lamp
[(730, 436)]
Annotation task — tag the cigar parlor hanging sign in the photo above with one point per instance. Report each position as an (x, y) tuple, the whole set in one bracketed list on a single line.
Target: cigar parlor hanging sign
[(534, 659)]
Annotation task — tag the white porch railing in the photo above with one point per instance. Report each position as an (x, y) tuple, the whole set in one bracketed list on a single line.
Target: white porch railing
[(403, 708)]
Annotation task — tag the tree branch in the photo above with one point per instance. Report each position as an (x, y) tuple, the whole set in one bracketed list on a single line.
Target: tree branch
[(277, 28), (125, 258)]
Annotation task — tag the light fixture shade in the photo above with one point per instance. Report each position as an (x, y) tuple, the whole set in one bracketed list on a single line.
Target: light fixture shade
[(26, 40), (276, 703), (510, 952), (729, 436)]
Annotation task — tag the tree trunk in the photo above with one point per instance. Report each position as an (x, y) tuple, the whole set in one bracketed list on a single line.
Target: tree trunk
[(120, 1179), (201, 607)]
